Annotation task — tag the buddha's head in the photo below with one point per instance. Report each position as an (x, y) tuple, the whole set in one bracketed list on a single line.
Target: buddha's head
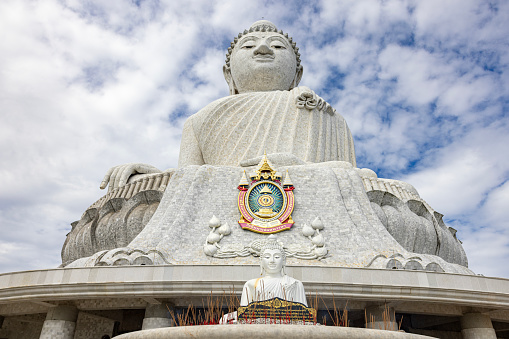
[(262, 59), (272, 257)]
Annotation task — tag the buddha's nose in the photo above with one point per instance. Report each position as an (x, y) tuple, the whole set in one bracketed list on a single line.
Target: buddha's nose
[(263, 48)]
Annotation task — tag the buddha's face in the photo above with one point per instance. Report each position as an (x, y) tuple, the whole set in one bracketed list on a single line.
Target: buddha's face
[(272, 261), (263, 61)]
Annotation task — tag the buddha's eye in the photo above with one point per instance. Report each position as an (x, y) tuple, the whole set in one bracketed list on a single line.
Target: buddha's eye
[(278, 47), (248, 46)]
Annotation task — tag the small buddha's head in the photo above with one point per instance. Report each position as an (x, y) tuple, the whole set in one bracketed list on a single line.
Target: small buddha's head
[(262, 59), (272, 257)]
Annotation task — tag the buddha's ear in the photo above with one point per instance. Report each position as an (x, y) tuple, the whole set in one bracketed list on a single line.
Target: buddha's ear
[(298, 76), (229, 80)]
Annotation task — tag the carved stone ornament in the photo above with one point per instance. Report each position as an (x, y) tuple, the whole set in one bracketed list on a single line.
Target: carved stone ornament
[(212, 248), (264, 204)]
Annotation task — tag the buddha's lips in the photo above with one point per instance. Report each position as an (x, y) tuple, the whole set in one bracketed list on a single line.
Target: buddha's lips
[(264, 57)]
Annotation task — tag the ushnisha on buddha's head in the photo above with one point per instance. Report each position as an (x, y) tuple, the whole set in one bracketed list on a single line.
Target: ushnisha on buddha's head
[(262, 59), (272, 258)]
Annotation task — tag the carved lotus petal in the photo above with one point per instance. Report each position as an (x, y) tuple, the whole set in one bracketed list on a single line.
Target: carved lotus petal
[(214, 222), (317, 224), (224, 229), (308, 231), (210, 250), (213, 238), (321, 251), (318, 240)]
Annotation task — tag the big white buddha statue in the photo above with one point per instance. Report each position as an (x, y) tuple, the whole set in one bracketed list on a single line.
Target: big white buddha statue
[(357, 219)]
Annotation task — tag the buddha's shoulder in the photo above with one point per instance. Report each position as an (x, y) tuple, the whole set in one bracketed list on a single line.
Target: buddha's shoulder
[(211, 108), (251, 283), (235, 99), (291, 280), (303, 98)]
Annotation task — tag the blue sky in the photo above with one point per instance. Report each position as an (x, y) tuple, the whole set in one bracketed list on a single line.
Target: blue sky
[(86, 85)]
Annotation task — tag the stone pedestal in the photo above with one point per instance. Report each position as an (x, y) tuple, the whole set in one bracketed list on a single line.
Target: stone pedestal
[(381, 317), (60, 323), (477, 326), (156, 316)]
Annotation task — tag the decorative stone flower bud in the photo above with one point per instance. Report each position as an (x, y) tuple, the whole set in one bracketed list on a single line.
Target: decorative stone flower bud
[(224, 229), (210, 250), (321, 251), (308, 231), (214, 222), (213, 238), (318, 240), (317, 224)]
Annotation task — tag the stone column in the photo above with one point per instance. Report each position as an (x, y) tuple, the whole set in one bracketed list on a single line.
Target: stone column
[(156, 316), (381, 317), (477, 326), (60, 323)]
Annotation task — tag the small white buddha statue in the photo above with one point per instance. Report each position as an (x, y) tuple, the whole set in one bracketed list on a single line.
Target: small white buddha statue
[(274, 282)]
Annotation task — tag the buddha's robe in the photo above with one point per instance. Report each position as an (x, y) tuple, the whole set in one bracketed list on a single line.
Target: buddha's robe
[(244, 126), (286, 288)]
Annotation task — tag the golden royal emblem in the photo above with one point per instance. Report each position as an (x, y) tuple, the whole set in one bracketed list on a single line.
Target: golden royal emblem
[(264, 204)]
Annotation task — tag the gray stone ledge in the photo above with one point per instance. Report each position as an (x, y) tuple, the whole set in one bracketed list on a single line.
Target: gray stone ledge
[(183, 281), (268, 331)]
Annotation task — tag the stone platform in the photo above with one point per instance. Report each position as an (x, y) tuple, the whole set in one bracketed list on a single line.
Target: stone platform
[(88, 302), (268, 332)]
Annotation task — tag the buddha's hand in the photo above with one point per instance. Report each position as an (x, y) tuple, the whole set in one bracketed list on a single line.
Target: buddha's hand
[(119, 175), (277, 159)]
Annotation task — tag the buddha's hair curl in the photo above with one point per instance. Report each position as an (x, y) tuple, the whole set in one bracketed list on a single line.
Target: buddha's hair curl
[(272, 244), (262, 28)]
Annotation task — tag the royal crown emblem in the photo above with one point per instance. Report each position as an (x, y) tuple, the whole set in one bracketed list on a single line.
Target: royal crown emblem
[(265, 205)]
